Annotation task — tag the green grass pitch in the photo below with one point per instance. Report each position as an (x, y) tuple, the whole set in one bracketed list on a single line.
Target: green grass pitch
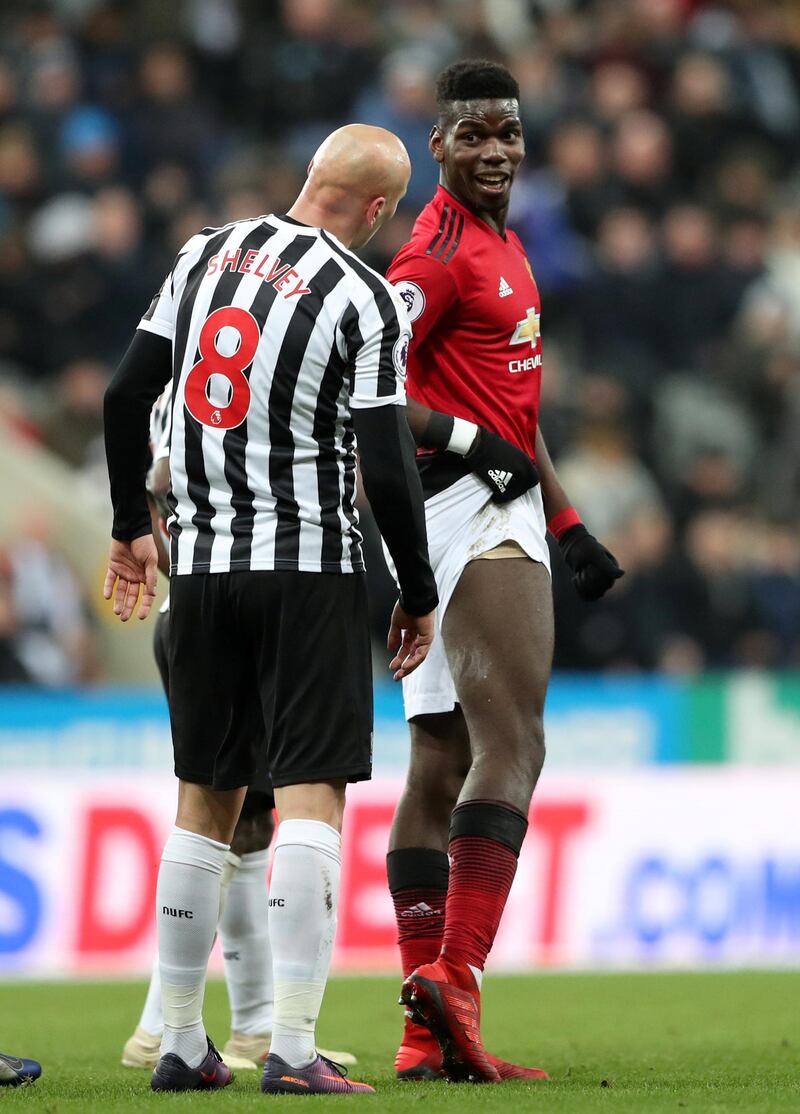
[(643, 1044)]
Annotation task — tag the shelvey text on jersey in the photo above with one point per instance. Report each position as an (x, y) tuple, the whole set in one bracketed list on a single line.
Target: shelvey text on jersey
[(277, 333)]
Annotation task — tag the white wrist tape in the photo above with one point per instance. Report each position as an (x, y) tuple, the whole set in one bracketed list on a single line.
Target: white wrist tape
[(462, 437)]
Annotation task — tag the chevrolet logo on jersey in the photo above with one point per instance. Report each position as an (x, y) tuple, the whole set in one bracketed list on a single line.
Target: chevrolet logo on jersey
[(527, 330)]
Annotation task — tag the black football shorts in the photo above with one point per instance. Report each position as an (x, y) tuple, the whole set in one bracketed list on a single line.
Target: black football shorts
[(260, 788), (270, 670)]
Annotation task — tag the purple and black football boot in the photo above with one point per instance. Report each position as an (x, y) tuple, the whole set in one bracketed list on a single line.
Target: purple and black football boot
[(321, 1077), (174, 1074)]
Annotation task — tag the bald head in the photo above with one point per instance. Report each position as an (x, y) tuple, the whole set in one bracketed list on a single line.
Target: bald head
[(355, 180), (363, 160)]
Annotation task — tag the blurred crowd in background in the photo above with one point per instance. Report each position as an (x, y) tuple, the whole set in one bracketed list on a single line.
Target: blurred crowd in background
[(659, 204)]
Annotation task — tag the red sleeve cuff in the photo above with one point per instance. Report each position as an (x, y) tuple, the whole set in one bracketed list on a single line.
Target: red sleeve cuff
[(563, 521)]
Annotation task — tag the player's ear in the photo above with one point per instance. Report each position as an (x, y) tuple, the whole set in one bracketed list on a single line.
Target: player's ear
[(309, 168), (374, 211), (436, 143)]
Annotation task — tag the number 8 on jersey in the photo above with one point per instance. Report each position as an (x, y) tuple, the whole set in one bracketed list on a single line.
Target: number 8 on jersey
[(233, 367)]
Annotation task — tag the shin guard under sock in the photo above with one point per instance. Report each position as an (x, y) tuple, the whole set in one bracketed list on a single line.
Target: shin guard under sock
[(418, 879), (187, 902), (485, 841)]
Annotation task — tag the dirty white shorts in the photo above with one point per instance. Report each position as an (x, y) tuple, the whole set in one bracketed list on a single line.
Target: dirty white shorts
[(464, 523)]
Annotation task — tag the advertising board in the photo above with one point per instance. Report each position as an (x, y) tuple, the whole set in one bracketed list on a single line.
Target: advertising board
[(648, 868)]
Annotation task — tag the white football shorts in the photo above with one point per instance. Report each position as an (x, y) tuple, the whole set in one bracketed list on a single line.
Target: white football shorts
[(464, 523)]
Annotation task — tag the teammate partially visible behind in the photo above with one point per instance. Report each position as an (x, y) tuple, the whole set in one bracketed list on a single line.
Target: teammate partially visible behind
[(475, 705), (244, 905)]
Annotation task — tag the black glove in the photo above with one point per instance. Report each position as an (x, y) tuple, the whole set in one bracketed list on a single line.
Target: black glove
[(594, 569), (507, 470)]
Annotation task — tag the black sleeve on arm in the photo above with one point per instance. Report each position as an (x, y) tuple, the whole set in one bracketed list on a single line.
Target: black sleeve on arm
[(431, 430), (139, 380), (393, 487)]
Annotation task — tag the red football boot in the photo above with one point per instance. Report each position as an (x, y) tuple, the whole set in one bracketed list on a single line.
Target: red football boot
[(419, 1058), (444, 997), (508, 1071)]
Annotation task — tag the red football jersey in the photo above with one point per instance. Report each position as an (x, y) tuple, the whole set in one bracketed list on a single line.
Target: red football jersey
[(476, 352)]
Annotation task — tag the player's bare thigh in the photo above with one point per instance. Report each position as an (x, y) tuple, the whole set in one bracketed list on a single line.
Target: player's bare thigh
[(498, 634)]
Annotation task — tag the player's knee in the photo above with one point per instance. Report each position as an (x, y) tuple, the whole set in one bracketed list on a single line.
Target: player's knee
[(255, 827), (437, 784), (435, 796), (528, 745), (515, 753), (452, 783), (537, 747)]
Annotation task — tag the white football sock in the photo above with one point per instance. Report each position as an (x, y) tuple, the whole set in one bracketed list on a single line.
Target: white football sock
[(187, 910), (232, 862), (151, 1020), (244, 935), (303, 897)]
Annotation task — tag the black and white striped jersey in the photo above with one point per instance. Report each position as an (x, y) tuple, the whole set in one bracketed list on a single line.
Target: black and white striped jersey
[(160, 424), (277, 332)]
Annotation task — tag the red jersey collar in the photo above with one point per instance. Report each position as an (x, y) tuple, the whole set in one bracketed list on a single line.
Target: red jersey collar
[(444, 195)]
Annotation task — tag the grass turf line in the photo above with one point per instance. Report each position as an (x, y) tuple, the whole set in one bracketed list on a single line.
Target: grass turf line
[(639, 1044)]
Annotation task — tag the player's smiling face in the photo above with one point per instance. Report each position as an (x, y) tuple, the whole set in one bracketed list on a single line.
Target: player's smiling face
[(480, 147)]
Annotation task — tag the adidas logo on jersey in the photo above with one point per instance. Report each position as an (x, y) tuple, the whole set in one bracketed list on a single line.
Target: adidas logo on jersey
[(500, 479), (505, 289)]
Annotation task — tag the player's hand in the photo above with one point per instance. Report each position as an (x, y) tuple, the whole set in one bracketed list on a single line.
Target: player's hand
[(594, 569), (410, 638), (132, 566), (507, 470)]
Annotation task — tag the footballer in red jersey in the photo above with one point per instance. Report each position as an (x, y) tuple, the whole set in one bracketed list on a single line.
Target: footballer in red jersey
[(476, 351), (475, 706)]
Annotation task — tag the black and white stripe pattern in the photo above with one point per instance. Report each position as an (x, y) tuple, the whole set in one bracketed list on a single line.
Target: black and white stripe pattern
[(276, 491), (160, 422)]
